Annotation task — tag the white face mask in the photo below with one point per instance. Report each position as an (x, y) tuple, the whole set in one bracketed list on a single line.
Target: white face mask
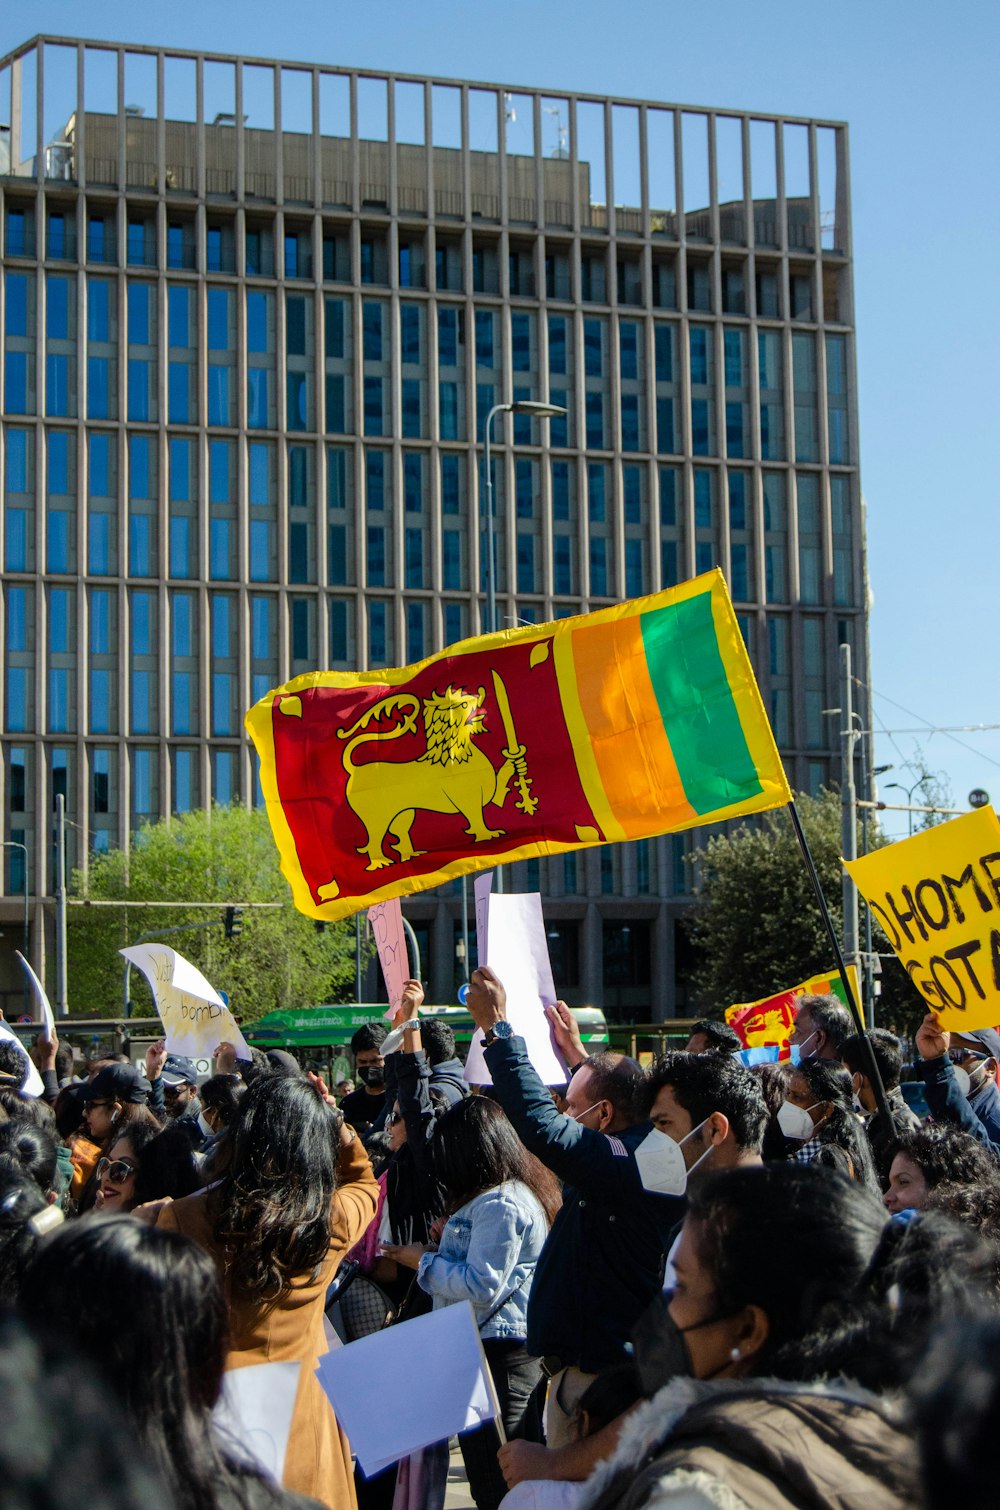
[(206, 1127), (795, 1121), (797, 1048), (661, 1163), (962, 1080)]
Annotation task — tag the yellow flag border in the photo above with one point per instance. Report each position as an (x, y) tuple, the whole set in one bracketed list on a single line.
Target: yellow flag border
[(744, 691)]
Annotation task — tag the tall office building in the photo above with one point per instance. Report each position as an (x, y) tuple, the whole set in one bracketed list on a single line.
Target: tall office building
[(254, 316)]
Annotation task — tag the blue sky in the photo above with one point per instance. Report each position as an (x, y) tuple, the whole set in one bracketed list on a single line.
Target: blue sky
[(924, 165)]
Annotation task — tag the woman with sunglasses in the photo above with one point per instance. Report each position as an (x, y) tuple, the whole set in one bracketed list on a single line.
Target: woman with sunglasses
[(147, 1164), (117, 1169), (114, 1107)]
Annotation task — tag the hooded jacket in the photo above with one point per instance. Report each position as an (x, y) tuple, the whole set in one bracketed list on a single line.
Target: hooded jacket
[(759, 1444), (448, 1077)]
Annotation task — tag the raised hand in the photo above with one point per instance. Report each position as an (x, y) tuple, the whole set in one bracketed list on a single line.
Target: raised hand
[(931, 1039), (566, 1033), (487, 999)]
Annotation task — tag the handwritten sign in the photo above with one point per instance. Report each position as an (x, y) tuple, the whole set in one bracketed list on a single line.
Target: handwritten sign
[(386, 922), (937, 896), (45, 1010), (194, 1016)]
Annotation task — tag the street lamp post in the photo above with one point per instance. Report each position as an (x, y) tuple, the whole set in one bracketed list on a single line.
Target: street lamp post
[(909, 799), (539, 410)]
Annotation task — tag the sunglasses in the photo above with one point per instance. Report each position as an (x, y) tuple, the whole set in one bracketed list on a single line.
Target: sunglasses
[(91, 1104), (117, 1170), (959, 1056)]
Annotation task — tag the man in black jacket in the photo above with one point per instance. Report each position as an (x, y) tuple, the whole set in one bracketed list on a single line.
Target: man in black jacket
[(603, 1260)]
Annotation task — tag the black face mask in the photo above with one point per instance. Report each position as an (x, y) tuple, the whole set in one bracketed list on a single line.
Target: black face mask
[(372, 1074), (659, 1346)]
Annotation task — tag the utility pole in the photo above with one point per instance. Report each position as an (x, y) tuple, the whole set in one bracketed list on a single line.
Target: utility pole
[(62, 1004), (848, 809)]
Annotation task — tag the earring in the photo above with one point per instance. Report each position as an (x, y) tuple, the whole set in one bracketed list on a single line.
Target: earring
[(735, 1355)]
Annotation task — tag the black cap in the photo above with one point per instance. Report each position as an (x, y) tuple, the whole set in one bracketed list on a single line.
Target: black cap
[(179, 1070), (117, 1082)]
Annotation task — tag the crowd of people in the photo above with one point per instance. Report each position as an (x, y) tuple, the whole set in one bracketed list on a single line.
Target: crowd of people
[(697, 1284)]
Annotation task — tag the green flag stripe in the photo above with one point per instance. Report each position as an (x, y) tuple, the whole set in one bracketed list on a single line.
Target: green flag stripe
[(696, 704)]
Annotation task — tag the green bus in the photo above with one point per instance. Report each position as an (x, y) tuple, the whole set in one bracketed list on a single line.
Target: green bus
[(322, 1027)]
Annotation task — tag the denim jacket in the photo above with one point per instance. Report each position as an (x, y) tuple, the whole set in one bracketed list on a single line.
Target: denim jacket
[(487, 1255)]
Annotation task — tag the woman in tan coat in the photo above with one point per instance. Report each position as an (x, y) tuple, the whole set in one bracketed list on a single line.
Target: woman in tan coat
[(298, 1193)]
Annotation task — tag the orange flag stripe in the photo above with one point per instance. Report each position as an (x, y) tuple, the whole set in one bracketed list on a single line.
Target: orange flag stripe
[(634, 760)]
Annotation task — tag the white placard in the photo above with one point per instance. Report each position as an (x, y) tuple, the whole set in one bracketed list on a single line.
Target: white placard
[(454, 1396), (482, 888), (194, 1016), (33, 1085), (519, 955), (43, 1001), (254, 1413)]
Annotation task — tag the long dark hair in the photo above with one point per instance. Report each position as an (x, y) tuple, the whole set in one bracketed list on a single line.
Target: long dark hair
[(166, 1165), (273, 1210), (822, 1231), (844, 1291), (475, 1148), (831, 1083), (164, 1359)]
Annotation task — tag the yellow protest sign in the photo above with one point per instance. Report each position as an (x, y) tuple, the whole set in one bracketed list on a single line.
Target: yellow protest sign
[(937, 896)]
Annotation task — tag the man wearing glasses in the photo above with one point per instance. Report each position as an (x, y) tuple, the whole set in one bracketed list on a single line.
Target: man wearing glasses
[(959, 1072)]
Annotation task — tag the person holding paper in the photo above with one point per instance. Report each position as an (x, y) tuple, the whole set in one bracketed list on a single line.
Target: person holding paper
[(501, 1202), (603, 1260), (298, 1192)]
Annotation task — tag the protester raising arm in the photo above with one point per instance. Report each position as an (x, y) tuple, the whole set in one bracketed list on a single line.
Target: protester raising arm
[(945, 1097), (601, 1100)]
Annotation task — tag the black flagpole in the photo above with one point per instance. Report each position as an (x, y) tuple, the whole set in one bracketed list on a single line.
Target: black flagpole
[(871, 1066)]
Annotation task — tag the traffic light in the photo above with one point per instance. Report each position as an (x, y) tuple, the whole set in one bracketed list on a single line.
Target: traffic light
[(234, 922)]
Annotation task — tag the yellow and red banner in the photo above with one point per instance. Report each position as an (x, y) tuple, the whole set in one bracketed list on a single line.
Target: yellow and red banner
[(937, 897), (770, 1021), (636, 720)]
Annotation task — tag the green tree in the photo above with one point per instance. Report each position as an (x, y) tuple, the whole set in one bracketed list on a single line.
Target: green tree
[(758, 927), (280, 959)]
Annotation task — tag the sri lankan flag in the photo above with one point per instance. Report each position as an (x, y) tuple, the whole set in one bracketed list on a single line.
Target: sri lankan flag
[(771, 1020), (636, 720)]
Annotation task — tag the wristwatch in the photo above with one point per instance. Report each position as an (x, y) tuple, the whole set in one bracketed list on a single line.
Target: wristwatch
[(412, 1025), (500, 1029)]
